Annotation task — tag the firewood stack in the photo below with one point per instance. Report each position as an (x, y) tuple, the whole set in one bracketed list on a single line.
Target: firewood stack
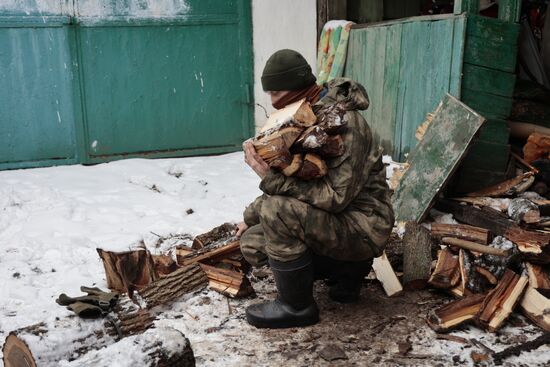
[(217, 252), (296, 140), (496, 261)]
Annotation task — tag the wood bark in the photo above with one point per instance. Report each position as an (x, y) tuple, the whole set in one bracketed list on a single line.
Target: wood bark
[(210, 254), (295, 165), (170, 288), (461, 231), (159, 347), (447, 271), (313, 167), (523, 210), (509, 187), (226, 230), (129, 270), (45, 344), (532, 244), (417, 256), (334, 147)]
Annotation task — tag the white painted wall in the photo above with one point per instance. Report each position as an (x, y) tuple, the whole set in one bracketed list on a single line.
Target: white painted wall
[(281, 24)]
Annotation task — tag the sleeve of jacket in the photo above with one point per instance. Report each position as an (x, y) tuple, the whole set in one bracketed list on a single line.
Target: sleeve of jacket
[(345, 177), (251, 214)]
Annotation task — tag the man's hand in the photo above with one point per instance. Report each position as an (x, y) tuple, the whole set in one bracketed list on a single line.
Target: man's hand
[(253, 159), (241, 228)]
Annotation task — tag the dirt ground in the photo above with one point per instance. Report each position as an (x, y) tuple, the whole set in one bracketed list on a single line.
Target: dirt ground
[(377, 331)]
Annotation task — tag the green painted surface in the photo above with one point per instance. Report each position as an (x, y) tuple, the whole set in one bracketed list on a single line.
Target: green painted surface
[(406, 68), (491, 54), (36, 104), (115, 79), (488, 80), (466, 6), (493, 29), (509, 10), (495, 131), (489, 105), (487, 154), (436, 158)]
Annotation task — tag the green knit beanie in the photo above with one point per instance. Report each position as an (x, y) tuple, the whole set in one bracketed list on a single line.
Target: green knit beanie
[(287, 70)]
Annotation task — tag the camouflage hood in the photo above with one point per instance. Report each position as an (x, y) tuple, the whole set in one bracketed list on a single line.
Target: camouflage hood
[(348, 92)]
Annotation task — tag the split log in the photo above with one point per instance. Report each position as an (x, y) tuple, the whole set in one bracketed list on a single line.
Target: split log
[(501, 301), (129, 270), (464, 266), (46, 343), (170, 288), (532, 244), (385, 274), (455, 313), (474, 246), (486, 274), (226, 230), (164, 265), (230, 283), (281, 131), (312, 138), (535, 306), (538, 279), (447, 271), (299, 112), (295, 165), (313, 167), (334, 147), (332, 118), (500, 204), (209, 254), (461, 231), (417, 256), (523, 210), (522, 130), (537, 146), (164, 346), (509, 187)]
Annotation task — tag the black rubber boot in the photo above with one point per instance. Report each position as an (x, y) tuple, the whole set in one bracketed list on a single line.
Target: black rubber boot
[(294, 305), (347, 280)]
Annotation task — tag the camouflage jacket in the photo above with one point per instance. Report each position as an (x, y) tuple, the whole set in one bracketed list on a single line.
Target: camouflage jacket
[(355, 182)]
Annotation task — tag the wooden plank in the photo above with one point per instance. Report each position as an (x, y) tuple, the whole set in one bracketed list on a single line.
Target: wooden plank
[(459, 37), (488, 80), (435, 158), (385, 274), (491, 54), (509, 10), (491, 29), (488, 105)]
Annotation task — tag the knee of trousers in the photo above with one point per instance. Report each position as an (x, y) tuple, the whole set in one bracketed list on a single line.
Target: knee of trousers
[(277, 206)]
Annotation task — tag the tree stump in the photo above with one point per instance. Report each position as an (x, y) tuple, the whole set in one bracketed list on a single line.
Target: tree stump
[(417, 256)]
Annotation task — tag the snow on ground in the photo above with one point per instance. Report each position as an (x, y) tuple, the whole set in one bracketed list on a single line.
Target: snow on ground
[(53, 219)]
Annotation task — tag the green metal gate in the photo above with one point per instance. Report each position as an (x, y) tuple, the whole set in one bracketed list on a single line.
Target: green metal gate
[(97, 80)]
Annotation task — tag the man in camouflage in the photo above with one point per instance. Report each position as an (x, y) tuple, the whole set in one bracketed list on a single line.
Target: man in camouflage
[(331, 227)]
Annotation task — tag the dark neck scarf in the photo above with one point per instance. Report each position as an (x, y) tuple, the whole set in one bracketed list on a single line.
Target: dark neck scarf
[(311, 94)]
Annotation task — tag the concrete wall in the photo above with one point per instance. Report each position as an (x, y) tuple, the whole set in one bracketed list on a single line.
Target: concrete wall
[(276, 25)]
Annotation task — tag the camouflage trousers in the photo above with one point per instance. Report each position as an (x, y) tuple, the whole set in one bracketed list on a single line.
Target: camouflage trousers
[(284, 228)]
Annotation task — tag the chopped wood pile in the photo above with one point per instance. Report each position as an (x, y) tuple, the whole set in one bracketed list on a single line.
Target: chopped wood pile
[(496, 260), (297, 140), (217, 252)]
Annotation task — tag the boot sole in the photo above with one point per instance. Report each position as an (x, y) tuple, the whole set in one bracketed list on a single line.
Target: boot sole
[(263, 324)]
